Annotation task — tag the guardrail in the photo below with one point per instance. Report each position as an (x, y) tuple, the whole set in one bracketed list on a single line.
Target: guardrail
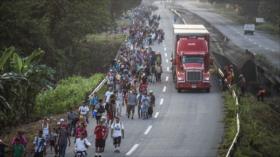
[(233, 95)]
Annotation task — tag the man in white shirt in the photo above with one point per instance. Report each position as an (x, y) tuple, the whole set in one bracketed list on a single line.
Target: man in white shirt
[(84, 109), (117, 133), (108, 95)]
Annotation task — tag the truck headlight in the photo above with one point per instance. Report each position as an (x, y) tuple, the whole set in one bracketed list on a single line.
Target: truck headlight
[(181, 77)]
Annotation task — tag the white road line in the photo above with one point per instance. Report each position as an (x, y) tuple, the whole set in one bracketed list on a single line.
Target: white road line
[(165, 49), (166, 79), (167, 69), (166, 60), (156, 115), (132, 149), (148, 129), (165, 54), (164, 89), (161, 101)]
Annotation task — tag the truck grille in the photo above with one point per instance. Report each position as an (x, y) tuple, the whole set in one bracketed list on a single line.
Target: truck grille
[(194, 76)]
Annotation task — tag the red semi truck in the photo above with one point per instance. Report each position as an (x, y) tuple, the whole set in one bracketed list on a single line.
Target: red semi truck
[(191, 60)]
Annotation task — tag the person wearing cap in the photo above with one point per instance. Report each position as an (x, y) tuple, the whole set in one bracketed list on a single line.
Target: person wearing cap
[(117, 133), (63, 139), (101, 133)]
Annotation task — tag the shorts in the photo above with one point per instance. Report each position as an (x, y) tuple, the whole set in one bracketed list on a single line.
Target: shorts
[(100, 143), (117, 140)]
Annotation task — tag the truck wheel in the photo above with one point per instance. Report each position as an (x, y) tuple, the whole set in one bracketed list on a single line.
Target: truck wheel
[(179, 90), (208, 90)]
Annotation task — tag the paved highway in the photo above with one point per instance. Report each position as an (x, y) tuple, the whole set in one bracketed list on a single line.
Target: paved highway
[(184, 124), (260, 42)]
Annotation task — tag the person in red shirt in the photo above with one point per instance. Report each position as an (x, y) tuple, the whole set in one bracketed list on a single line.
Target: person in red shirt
[(101, 133)]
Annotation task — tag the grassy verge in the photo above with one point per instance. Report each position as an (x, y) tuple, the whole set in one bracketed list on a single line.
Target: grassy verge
[(260, 128), (230, 123)]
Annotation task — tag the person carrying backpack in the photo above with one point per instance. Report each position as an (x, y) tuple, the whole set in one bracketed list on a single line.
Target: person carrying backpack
[(39, 145), (117, 133)]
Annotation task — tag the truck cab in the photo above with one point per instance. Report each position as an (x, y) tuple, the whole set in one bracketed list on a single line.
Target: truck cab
[(190, 59)]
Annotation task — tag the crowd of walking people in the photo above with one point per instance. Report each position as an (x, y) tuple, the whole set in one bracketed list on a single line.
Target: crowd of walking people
[(128, 79)]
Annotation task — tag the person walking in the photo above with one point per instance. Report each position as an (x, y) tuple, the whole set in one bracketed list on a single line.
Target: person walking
[(101, 133), (46, 129), (117, 133), (93, 100), (131, 103), (39, 145), (152, 99), (84, 110), (63, 140), (72, 118), (18, 148), (119, 103), (100, 109), (81, 145)]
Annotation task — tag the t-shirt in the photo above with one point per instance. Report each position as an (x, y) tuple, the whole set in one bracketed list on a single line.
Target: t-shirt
[(108, 95), (45, 129), (100, 132), (94, 100), (81, 144), (83, 110), (18, 150), (117, 129)]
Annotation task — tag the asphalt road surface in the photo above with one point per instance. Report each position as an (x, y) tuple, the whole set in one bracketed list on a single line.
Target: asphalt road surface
[(259, 43), (183, 125)]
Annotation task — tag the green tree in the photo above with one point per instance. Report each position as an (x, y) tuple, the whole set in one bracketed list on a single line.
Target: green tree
[(21, 79)]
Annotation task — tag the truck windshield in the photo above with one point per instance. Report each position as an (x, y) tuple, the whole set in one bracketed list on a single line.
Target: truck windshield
[(192, 59)]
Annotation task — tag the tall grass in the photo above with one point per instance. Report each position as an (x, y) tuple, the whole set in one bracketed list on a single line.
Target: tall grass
[(229, 122)]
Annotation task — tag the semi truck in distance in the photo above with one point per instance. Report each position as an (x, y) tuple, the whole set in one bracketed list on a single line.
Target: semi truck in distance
[(191, 59)]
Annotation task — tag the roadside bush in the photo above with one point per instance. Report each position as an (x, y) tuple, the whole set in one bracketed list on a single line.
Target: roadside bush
[(260, 129), (67, 94)]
